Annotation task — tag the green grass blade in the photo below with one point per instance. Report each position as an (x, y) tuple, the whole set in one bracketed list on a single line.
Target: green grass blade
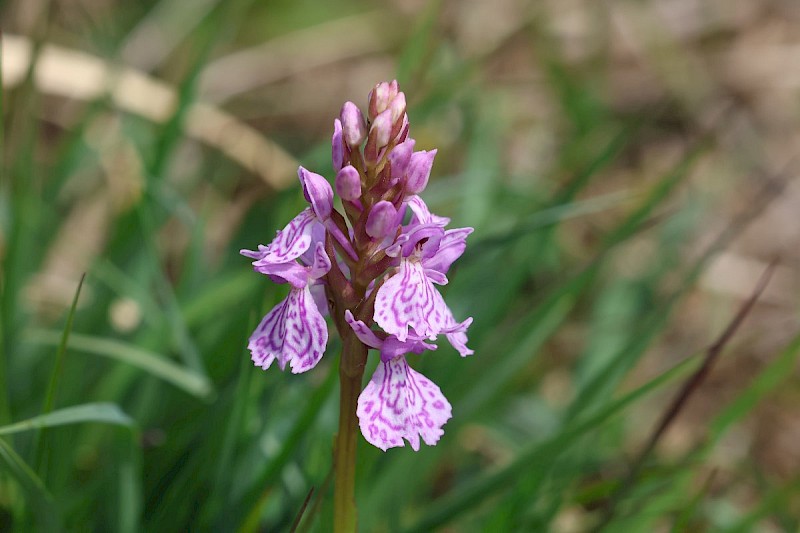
[(58, 367), (58, 370), (41, 503), (107, 413), (129, 484), (154, 364)]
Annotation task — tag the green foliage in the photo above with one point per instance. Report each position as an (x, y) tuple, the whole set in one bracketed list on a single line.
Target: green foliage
[(156, 420)]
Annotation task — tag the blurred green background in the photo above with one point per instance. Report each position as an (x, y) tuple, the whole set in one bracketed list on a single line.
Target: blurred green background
[(629, 169)]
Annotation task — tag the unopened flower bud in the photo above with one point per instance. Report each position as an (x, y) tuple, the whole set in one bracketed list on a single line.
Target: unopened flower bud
[(337, 146), (382, 219), (398, 107), (399, 158), (380, 97), (318, 193), (354, 130), (381, 129), (348, 183), (419, 170)]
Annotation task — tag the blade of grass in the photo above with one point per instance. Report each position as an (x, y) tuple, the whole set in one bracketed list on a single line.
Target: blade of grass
[(470, 494), (154, 364), (308, 518), (58, 370), (41, 503), (129, 483), (302, 511), (58, 367), (106, 413)]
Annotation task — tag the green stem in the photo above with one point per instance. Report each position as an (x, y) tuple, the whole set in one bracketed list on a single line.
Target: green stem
[(351, 371)]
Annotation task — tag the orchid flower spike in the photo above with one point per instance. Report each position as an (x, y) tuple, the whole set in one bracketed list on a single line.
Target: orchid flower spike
[(384, 255)]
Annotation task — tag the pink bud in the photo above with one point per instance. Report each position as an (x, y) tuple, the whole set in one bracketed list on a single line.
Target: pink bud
[(354, 130), (419, 170), (337, 146), (381, 129), (399, 157), (348, 184), (398, 107), (318, 193), (382, 219), (380, 97)]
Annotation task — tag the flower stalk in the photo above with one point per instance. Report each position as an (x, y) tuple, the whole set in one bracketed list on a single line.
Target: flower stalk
[(351, 372)]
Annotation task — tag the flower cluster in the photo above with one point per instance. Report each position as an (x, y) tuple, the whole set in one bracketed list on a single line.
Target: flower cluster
[(376, 264)]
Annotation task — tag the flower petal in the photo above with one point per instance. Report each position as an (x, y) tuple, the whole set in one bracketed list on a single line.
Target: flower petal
[(393, 348), (266, 342), (337, 146), (321, 263), (399, 403), (409, 299), (290, 242), (450, 248), (362, 331), (293, 332), (456, 334), (291, 272), (423, 215), (317, 191)]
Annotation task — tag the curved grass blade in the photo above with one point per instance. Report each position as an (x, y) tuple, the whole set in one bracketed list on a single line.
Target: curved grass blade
[(154, 364), (106, 413), (58, 370)]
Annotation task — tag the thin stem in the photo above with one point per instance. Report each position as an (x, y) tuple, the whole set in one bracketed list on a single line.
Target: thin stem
[(351, 371)]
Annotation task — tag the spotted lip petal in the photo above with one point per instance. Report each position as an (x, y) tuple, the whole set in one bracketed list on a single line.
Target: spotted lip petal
[(399, 403), (408, 299), (289, 244), (293, 332)]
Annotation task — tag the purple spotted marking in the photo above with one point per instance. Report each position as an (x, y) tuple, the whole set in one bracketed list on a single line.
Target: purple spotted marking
[(289, 244), (294, 332), (408, 299), (400, 403)]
